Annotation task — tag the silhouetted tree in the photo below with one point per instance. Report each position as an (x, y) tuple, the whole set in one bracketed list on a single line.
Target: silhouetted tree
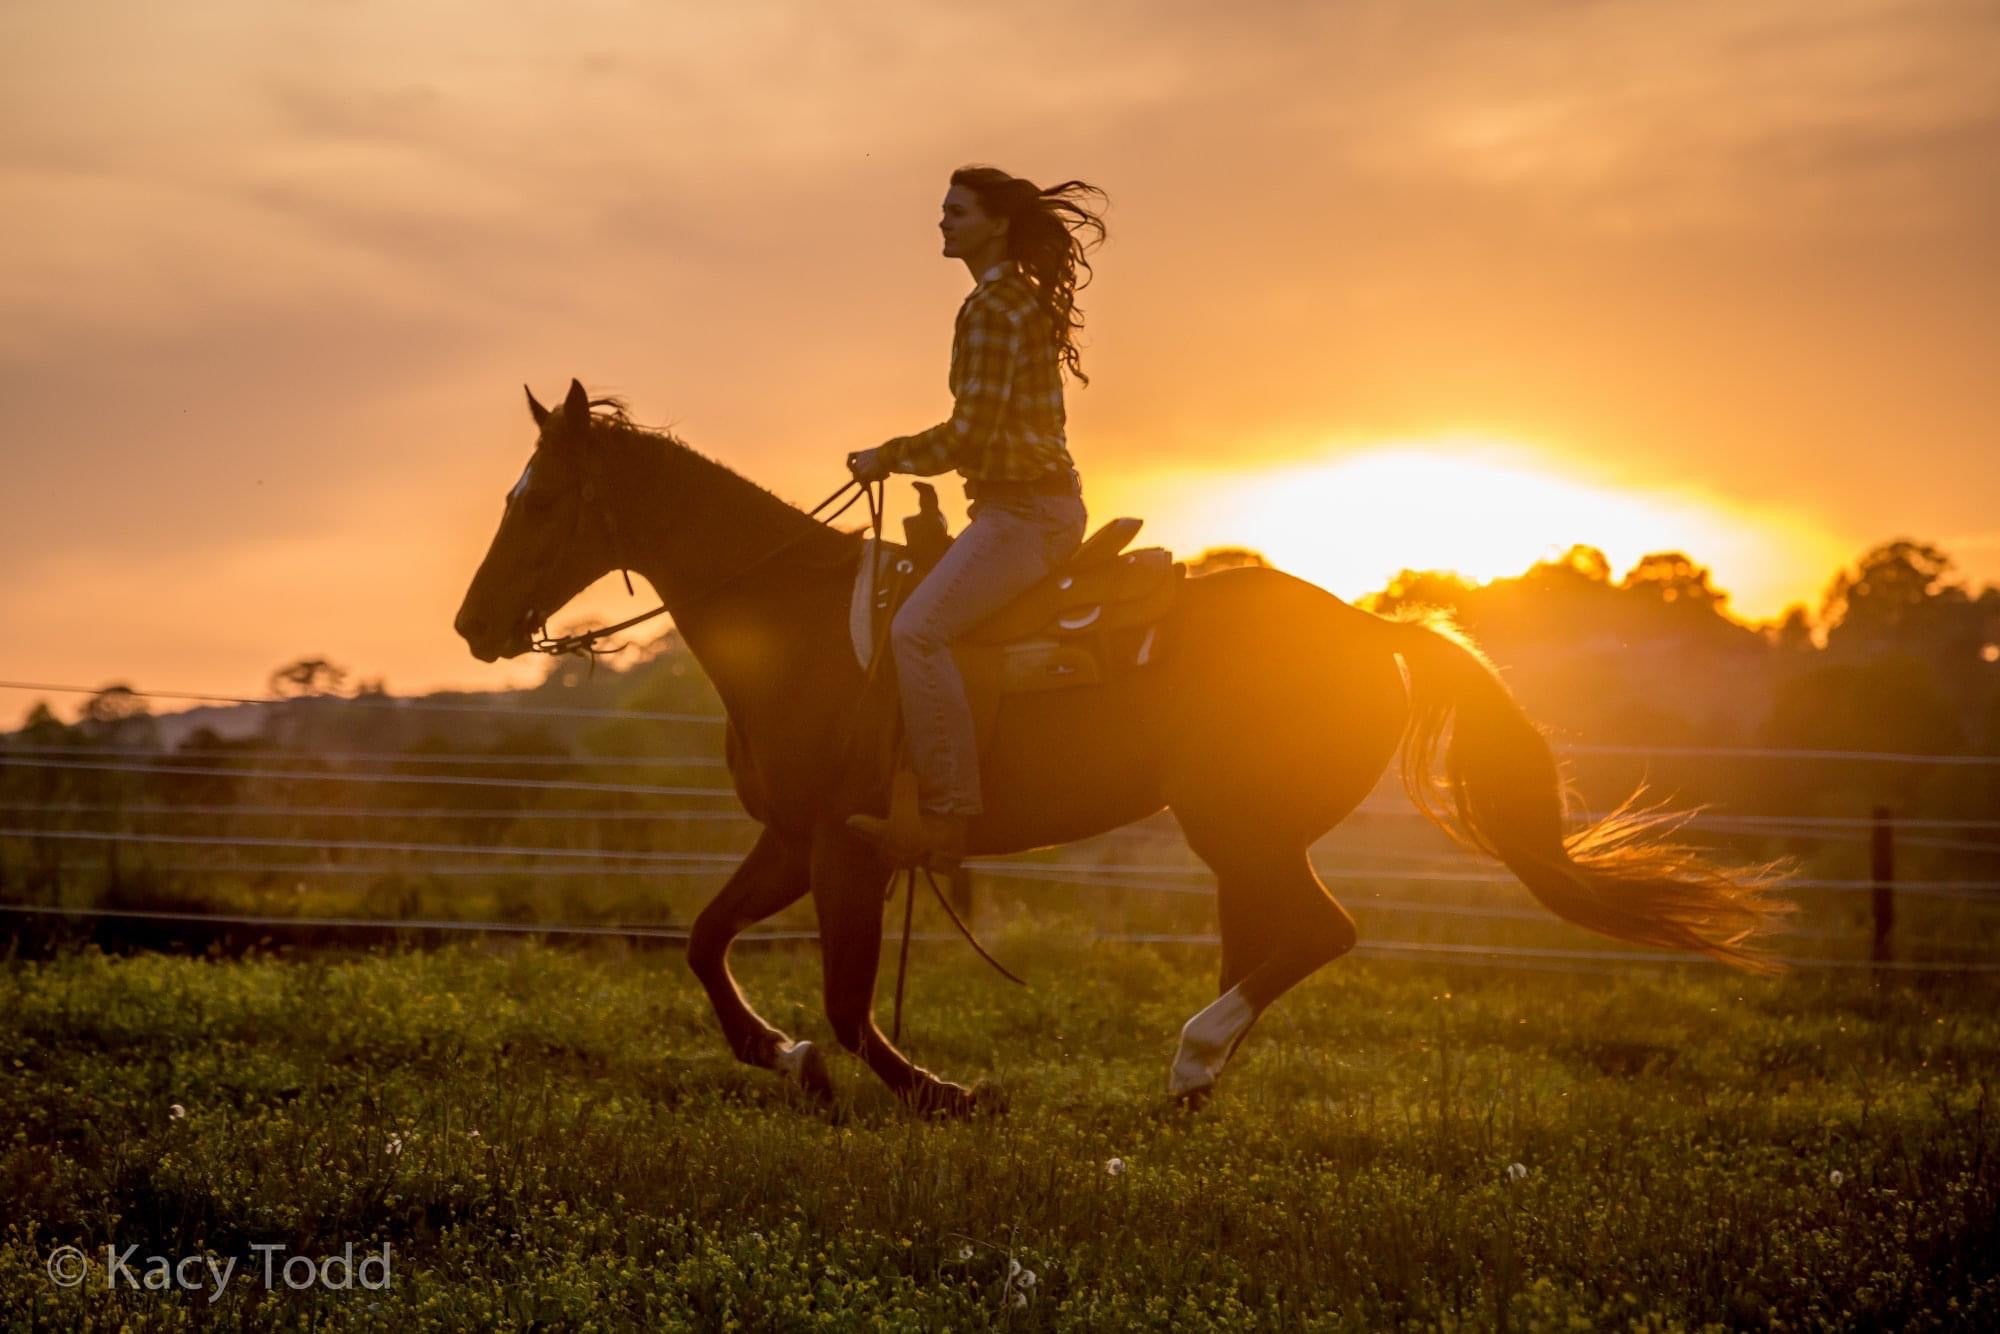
[(117, 715), (1901, 599), (1672, 577), (1793, 635), (1587, 561), (1895, 589), (113, 705), (1420, 588), (1224, 558), (307, 676), (43, 728)]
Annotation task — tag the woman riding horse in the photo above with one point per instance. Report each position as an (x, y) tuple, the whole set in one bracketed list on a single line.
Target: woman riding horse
[(1005, 437)]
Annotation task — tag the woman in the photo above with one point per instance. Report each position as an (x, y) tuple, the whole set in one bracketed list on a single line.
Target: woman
[(1005, 437)]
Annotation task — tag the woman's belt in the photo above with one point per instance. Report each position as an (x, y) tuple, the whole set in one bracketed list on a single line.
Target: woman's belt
[(1061, 482)]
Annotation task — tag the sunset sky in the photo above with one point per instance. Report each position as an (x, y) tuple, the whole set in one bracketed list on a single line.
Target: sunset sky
[(1388, 284)]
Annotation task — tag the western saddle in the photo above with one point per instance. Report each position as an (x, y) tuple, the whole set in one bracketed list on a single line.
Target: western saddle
[(1090, 621)]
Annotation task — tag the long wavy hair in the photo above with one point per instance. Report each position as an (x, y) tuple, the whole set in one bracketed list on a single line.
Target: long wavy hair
[(1044, 236)]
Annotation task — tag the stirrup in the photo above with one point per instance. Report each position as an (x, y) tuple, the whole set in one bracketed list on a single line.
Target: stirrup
[(900, 836)]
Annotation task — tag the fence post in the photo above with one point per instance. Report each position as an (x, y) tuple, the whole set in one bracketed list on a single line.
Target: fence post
[(1882, 868)]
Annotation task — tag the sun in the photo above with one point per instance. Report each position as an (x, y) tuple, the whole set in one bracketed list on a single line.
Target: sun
[(1482, 508), (1479, 510)]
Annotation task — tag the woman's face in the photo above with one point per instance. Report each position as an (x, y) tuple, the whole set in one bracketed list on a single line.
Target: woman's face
[(966, 227)]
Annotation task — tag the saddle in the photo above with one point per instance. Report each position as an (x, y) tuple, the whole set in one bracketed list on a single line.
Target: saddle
[(1089, 621)]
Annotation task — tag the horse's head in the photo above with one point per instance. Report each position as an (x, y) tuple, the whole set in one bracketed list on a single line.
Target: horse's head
[(553, 541)]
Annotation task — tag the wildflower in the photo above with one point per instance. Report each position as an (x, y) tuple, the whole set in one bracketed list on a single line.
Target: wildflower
[(1026, 1279), (1516, 1171), (1020, 1299), (1835, 1176), (472, 1134), (1013, 1268), (175, 1111), (395, 1145), (1114, 1166), (964, 1252)]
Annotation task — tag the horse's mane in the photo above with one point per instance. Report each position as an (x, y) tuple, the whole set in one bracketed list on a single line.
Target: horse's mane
[(831, 549)]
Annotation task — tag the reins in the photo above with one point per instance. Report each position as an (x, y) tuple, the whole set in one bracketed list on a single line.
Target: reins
[(585, 642)]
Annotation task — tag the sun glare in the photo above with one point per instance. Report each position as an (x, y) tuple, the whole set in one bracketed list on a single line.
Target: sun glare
[(1484, 509)]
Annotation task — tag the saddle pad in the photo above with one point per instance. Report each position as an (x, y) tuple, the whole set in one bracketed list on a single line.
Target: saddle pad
[(861, 602)]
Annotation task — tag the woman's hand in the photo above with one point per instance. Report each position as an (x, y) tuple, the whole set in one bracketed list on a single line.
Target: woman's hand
[(868, 465)]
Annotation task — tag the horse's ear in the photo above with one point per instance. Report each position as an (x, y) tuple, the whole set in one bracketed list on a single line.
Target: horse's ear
[(535, 409), (576, 408)]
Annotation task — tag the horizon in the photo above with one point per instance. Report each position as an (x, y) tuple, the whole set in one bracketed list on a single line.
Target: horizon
[(537, 669)]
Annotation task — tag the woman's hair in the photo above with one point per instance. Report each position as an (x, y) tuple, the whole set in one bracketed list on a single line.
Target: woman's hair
[(1042, 227)]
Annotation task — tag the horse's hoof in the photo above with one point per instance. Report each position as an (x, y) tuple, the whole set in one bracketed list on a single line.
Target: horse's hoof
[(988, 1099), (940, 1098), (802, 1064)]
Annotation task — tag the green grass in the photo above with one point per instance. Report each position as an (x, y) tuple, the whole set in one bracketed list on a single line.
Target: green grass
[(1679, 1131)]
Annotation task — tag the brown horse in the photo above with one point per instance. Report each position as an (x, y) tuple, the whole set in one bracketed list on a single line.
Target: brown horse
[(1269, 714)]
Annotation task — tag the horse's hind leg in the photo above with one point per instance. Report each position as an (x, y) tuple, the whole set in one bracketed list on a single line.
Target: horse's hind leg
[(1279, 925), (775, 875)]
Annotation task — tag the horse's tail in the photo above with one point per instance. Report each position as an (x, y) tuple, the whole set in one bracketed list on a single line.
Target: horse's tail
[(1501, 794)]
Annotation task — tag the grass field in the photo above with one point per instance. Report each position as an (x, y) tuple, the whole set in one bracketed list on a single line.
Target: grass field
[(558, 1137)]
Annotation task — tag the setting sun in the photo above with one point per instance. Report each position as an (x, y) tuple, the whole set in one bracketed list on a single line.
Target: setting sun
[(1484, 509)]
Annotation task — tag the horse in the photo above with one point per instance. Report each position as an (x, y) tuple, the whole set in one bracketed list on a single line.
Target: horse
[(1270, 713)]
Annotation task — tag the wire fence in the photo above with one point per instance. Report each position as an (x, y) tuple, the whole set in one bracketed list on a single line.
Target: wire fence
[(993, 866), (1774, 824), (465, 860), (1393, 948)]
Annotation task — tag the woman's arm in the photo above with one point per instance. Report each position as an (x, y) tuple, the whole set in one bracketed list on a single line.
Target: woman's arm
[(992, 344)]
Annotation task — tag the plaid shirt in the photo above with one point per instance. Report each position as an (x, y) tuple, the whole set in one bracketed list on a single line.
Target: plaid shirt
[(1007, 418)]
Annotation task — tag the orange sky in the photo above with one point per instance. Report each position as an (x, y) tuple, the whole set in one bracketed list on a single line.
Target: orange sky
[(1702, 274)]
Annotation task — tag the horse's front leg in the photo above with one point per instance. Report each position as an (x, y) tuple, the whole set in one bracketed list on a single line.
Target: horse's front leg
[(774, 876), (849, 885)]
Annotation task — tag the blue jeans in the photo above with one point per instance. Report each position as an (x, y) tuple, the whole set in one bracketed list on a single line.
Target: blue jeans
[(1005, 549)]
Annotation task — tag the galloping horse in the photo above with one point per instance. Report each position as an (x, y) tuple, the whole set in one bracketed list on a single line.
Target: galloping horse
[(1272, 709)]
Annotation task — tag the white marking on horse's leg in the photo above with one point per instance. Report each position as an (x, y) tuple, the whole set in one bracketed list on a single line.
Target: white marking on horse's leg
[(1206, 1041), (797, 1062)]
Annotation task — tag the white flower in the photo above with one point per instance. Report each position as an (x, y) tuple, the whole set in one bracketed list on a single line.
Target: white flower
[(1013, 1268), (472, 1134), (1027, 1278), (175, 1111), (1515, 1171), (395, 1145), (1020, 1299), (964, 1252), (1115, 1166), (1835, 1176)]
